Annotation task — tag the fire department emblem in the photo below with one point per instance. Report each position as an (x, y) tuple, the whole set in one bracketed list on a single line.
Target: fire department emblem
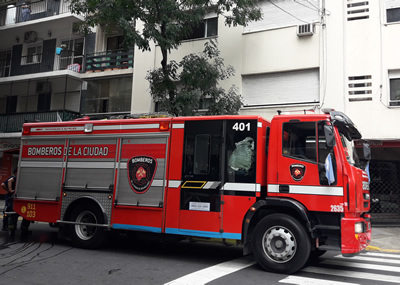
[(297, 171), (141, 170)]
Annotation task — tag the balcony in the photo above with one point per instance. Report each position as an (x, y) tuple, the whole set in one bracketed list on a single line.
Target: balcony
[(109, 60), (67, 60), (14, 14), (13, 122)]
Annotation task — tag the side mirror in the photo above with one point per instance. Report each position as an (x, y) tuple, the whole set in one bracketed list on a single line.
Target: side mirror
[(367, 151), (329, 136)]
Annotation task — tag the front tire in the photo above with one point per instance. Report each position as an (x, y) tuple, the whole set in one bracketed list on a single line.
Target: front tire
[(87, 236), (281, 244)]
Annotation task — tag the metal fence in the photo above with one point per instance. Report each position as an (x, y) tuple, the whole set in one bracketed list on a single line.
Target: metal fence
[(385, 193), (14, 122), (13, 14)]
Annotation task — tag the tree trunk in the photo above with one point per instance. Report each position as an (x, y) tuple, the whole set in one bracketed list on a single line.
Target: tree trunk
[(167, 79)]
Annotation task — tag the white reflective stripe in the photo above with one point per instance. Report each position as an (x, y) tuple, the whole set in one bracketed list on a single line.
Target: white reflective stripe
[(127, 127), (178, 126), (311, 190), (174, 183), (90, 164), (40, 164), (57, 129), (252, 187), (213, 184), (157, 183), (259, 124), (123, 165)]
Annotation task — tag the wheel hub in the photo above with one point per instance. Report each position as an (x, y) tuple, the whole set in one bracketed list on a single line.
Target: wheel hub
[(279, 244), (85, 232)]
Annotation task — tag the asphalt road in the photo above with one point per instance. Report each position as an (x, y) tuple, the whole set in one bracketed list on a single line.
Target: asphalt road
[(43, 258)]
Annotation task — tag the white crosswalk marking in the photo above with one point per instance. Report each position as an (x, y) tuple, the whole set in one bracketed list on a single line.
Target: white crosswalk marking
[(379, 254), (362, 265), (298, 280), (379, 265), (370, 259), (353, 274), (375, 266), (211, 273)]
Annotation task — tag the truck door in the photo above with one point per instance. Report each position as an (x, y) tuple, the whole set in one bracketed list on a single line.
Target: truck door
[(142, 171), (200, 199), (301, 166)]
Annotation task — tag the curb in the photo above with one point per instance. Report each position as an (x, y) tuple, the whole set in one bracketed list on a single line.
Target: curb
[(375, 248)]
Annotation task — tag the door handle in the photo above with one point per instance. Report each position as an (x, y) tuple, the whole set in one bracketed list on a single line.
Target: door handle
[(283, 188)]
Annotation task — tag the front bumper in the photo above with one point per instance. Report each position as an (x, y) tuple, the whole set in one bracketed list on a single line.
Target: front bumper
[(353, 242)]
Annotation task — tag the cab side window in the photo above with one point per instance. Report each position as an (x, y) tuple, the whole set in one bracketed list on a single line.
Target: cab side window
[(323, 152), (299, 141)]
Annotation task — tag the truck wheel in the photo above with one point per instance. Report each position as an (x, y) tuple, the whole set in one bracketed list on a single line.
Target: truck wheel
[(281, 244), (86, 236)]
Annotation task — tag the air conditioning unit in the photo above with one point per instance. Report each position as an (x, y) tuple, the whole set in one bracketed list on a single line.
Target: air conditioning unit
[(30, 37), (305, 30)]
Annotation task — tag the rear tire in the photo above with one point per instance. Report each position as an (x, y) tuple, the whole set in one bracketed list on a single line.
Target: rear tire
[(86, 236), (281, 244)]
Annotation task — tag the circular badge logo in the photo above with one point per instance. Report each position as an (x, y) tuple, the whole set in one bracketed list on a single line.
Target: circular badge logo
[(297, 171), (141, 170)]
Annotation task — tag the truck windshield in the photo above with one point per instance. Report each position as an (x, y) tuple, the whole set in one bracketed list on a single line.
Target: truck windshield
[(350, 152)]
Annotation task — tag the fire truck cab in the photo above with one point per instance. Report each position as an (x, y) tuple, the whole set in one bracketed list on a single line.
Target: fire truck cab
[(286, 189)]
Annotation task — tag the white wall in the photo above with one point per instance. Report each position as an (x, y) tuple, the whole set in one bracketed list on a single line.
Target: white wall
[(370, 49), (279, 50), (229, 44)]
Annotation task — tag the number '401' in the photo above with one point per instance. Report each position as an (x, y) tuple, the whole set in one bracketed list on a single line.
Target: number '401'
[(241, 127)]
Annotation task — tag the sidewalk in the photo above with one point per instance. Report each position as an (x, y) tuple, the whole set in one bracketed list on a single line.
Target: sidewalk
[(385, 239)]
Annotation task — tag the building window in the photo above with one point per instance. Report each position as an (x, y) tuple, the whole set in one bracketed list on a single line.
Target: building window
[(115, 43), (281, 14), (44, 101), (109, 96), (393, 15), (277, 88), (208, 28), (34, 54), (73, 53), (11, 104), (5, 63), (394, 92)]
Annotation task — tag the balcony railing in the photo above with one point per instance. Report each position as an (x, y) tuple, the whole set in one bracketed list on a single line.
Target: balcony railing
[(19, 13), (109, 60), (13, 122), (36, 63)]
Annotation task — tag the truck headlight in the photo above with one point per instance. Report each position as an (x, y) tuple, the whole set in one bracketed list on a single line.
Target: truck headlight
[(358, 227)]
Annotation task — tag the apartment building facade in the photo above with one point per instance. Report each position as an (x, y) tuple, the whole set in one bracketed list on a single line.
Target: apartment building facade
[(51, 72)]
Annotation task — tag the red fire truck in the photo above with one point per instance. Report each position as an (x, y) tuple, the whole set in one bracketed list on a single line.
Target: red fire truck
[(285, 189)]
